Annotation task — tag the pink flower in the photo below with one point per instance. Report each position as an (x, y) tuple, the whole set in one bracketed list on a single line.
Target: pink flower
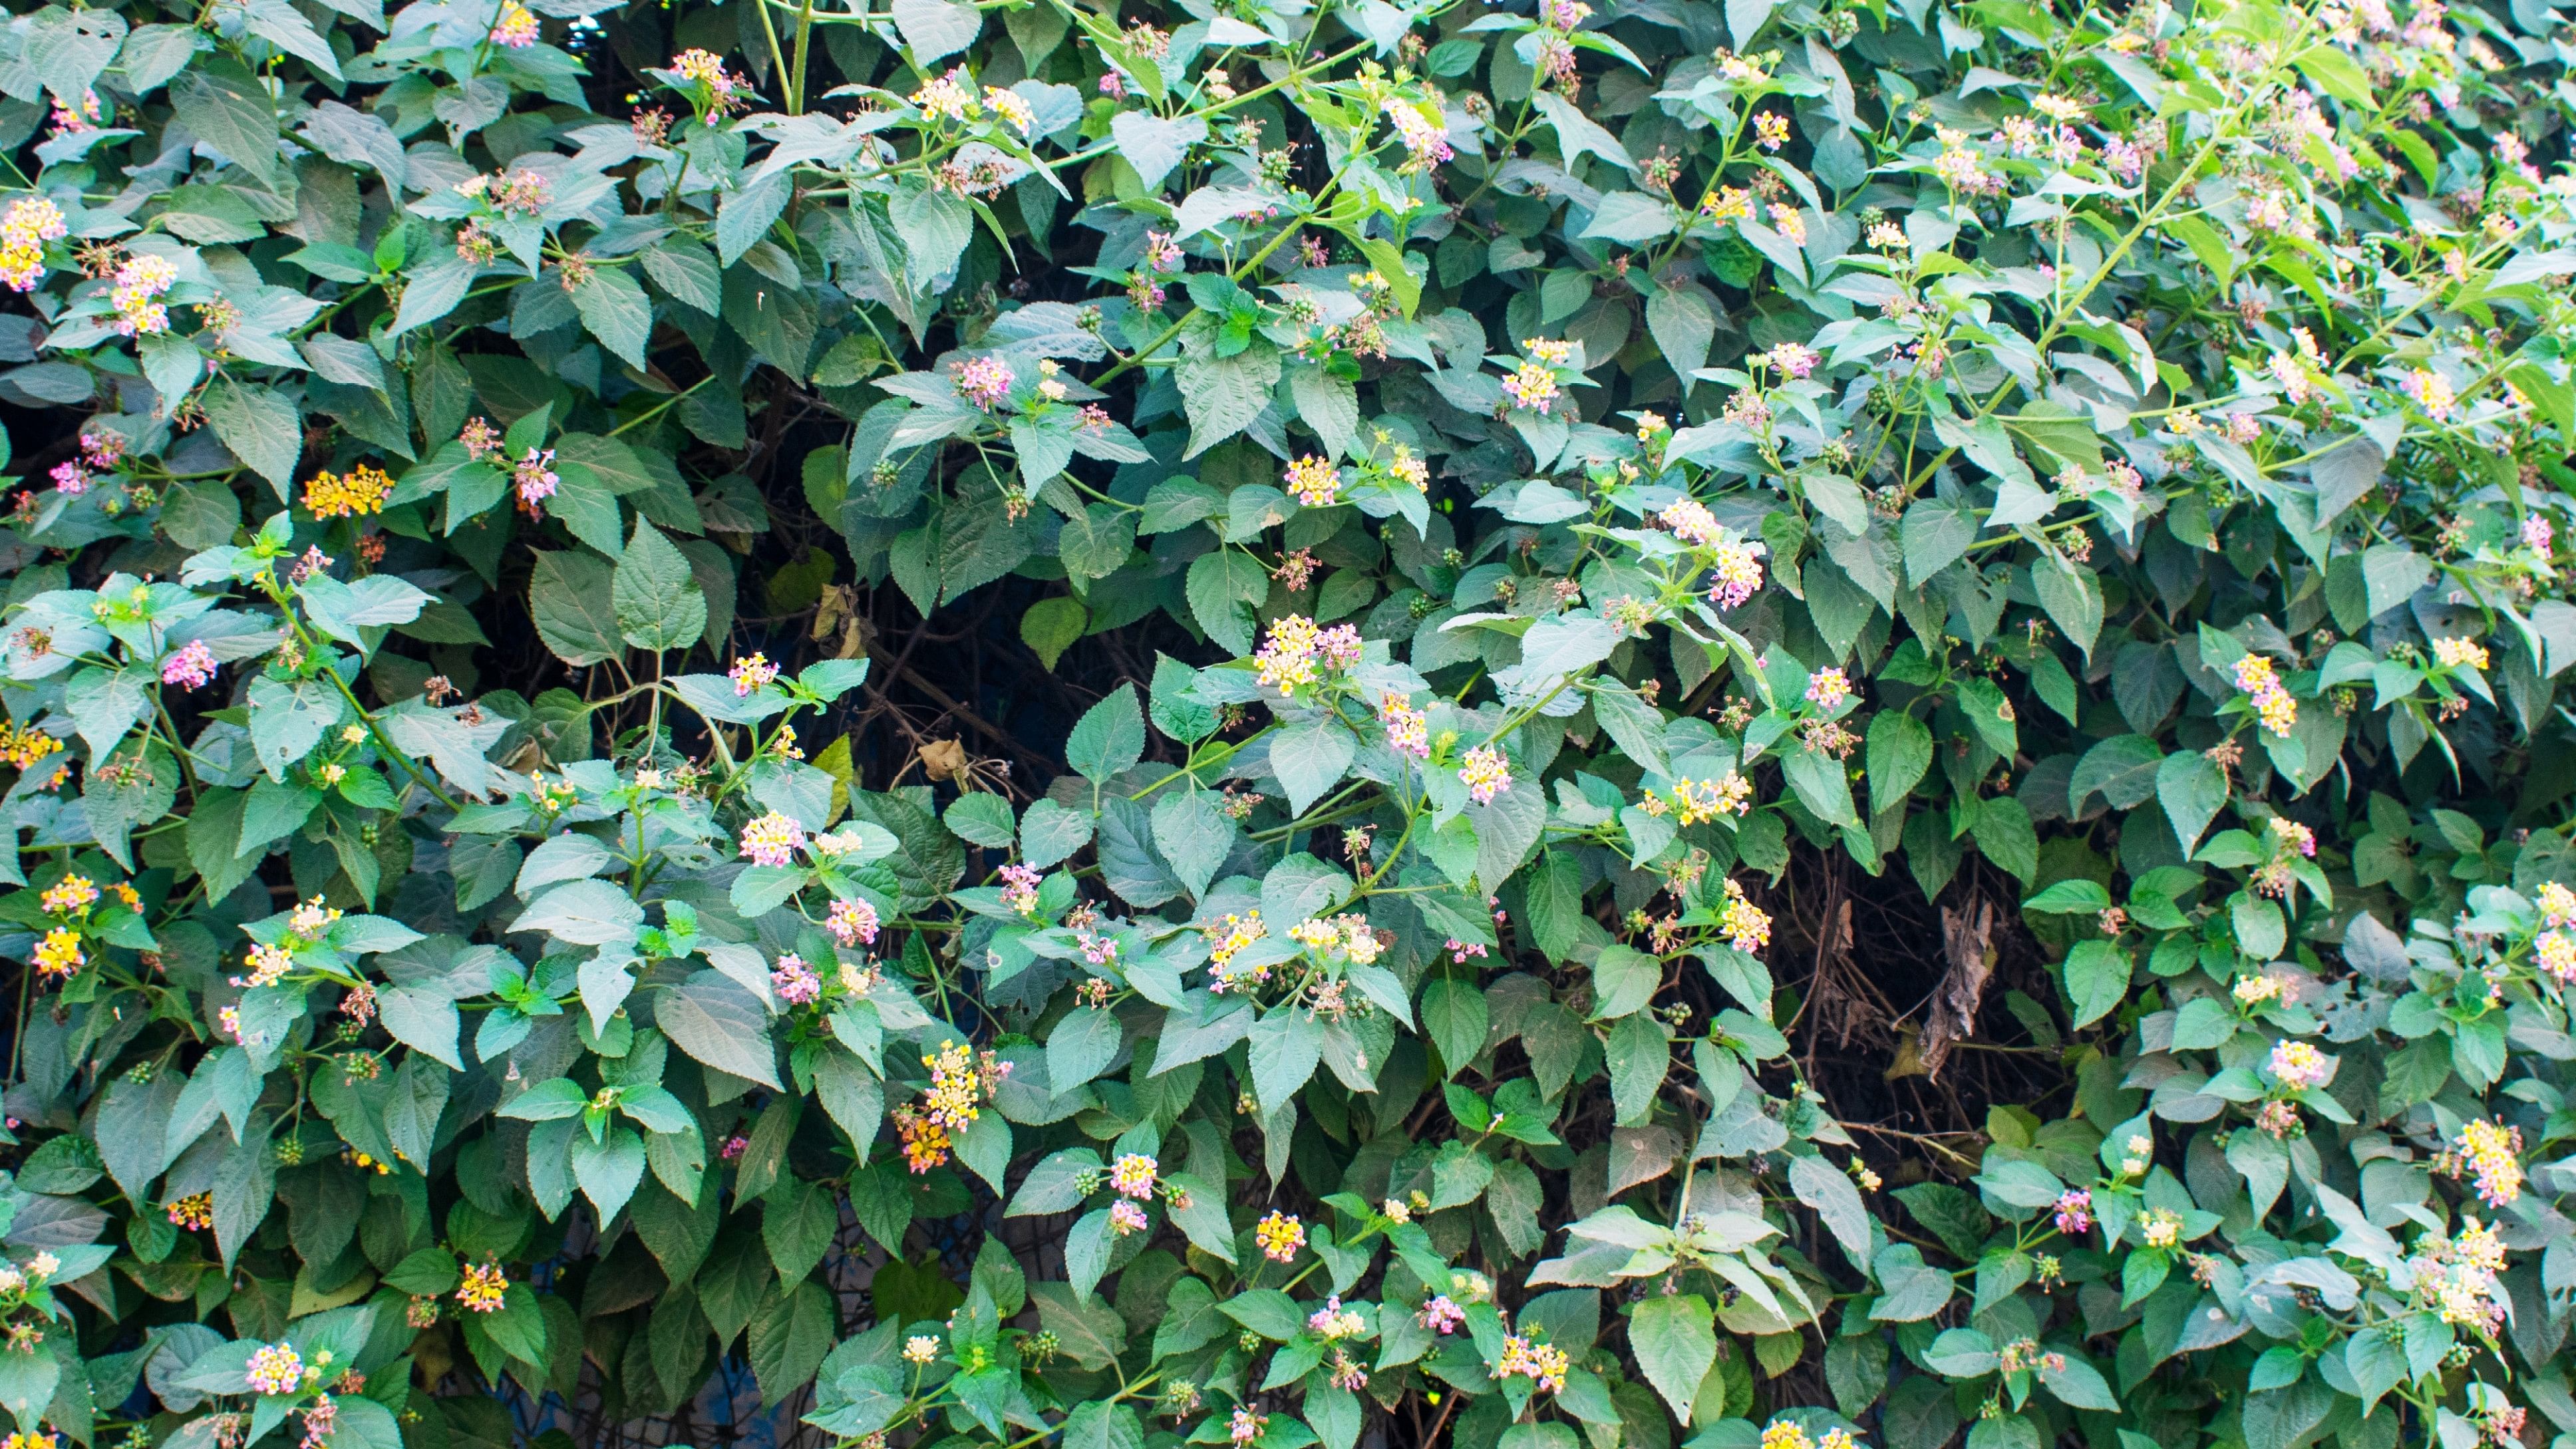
[(1441, 1316), (535, 476), (2299, 1065), (795, 981), (518, 27), (480, 438), (1020, 888), (1793, 359), (1126, 1217), (191, 666), (2075, 1211), (852, 923), (1486, 774), (751, 674), (983, 381), (71, 478), (773, 839), (1133, 1175)]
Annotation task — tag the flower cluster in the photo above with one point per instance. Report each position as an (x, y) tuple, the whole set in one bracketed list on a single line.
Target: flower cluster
[(1314, 482), (1226, 939), (1485, 773), (751, 674), (795, 982), (190, 666), (139, 283), (1535, 385), (276, 1369), (1280, 1236), (705, 69), (1424, 134), (2299, 1066), (1408, 730), (2491, 1154), (484, 1289), (1747, 926), (1738, 567), (2456, 1276), (1543, 1364), (852, 923), (772, 839), (2460, 654), (2272, 703), (517, 29), (1296, 653), (31, 222), (983, 381), (361, 490), (533, 477), (1695, 801)]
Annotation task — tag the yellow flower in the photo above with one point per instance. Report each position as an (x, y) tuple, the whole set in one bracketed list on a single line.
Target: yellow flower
[(2456, 652), (362, 490), (484, 1288), (1280, 1236), (59, 954)]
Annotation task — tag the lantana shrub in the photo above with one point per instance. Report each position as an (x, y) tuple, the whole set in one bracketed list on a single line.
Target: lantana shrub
[(1540, 510)]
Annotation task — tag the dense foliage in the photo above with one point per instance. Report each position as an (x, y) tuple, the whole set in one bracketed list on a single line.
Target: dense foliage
[(1521, 504)]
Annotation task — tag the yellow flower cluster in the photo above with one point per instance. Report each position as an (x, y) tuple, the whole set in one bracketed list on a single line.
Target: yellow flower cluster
[(2491, 1153), (24, 746), (483, 1290), (1747, 926), (1280, 1236), (1698, 800), (1348, 934), (1545, 1365), (58, 955), (2456, 652), (361, 490), (32, 221), (2272, 703), (2161, 1227)]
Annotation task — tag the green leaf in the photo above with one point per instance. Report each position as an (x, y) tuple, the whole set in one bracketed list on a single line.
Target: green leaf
[(1194, 835), (936, 28), (1900, 750), (1310, 756), (571, 597), (2191, 787), (224, 105), (1109, 738), (659, 602), (261, 428), (1081, 1047), (716, 1021), (1220, 587), (609, 1169), (1454, 1015), (1836, 1200), (2097, 980), (615, 310), (1051, 625), (1675, 1340), (2072, 597), (1287, 1045)]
